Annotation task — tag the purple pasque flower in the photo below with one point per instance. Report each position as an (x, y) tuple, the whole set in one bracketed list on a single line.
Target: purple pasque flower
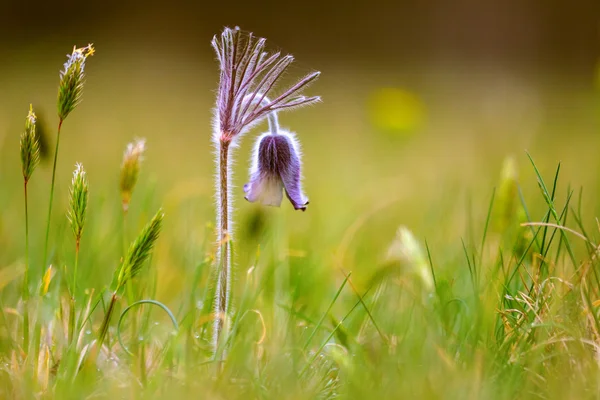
[(246, 96), (276, 168), (248, 76)]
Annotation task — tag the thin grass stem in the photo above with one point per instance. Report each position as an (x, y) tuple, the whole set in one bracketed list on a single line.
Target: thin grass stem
[(25, 291), (72, 317), (129, 284), (317, 327), (45, 259), (340, 323), (106, 321)]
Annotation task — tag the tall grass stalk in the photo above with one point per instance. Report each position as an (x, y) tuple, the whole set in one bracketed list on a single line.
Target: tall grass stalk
[(130, 170), (70, 91), (25, 289), (30, 158), (76, 215), (73, 318), (139, 251), (47, 238)]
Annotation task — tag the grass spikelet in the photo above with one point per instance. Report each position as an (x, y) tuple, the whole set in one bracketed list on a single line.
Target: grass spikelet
[(30, 146), (130, 169), (139, 251), (70, 90), (78, 201), (72, 79), (77, 209)]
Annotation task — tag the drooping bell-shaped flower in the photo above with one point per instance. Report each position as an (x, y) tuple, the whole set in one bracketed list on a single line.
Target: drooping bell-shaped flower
[(276, 168)]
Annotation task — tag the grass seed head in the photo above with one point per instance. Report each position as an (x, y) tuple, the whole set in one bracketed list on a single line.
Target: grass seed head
[(130, 169), (78, 200), (30, 146), (72, 79), (407, 250), (140, 250)]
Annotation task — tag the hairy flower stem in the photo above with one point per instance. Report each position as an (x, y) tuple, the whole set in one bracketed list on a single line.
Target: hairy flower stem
[(45, 259), (247, 76), (223, 289), (224, 265), (26, 278)]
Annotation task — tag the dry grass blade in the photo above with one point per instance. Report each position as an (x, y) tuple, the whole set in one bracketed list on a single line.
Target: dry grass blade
[(551, 225)]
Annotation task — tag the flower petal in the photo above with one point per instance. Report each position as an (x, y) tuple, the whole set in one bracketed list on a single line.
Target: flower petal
[(293, 189), (291, 175), (268, 190)]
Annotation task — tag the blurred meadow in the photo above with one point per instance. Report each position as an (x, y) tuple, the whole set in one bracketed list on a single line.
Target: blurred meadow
[(428, 113)]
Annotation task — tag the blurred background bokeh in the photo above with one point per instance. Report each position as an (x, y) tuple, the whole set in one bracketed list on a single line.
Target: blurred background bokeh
[(422, 101)]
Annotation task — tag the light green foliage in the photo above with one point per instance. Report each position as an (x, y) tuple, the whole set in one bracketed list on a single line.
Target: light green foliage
[(318, 311), (507, 196), (408, 252)]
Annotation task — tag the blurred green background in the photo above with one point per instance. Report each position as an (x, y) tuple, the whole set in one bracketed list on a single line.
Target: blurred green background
[(421, 103)]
